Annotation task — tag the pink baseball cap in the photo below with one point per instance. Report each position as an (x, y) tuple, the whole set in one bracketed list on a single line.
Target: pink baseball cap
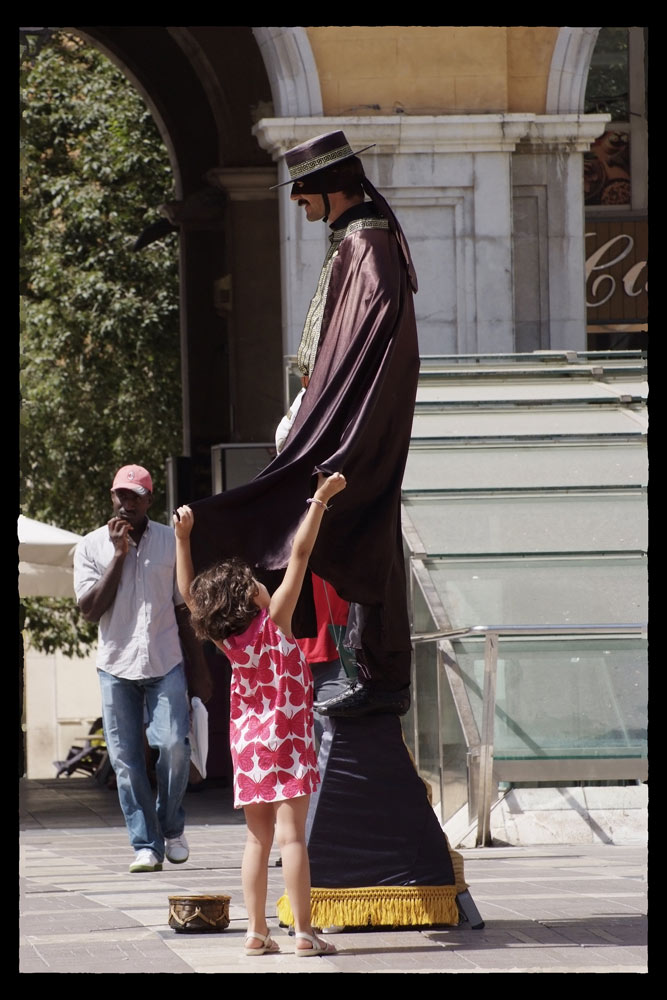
[(133, 477)]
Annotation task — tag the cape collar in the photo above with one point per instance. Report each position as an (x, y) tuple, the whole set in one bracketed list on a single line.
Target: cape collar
[(364, 210)]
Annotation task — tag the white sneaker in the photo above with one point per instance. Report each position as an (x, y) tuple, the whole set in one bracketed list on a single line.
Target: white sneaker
[(146, 860), (177, 850)]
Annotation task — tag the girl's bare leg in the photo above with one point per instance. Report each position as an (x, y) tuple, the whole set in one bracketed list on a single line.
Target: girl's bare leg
[(291, 836), (260, 820)]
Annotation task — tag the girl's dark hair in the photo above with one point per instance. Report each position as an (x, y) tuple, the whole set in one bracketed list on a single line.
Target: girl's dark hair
[(222, 600)]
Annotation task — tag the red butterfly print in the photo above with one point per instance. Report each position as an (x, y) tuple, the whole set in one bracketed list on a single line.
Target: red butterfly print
[(307, 755), (280, 757), (265, 670), (250, 789), (292, 787), (288, 666), (258, 728), (272, 696), (281, 696), (235, 734), (243, 760), (286, 726), (248, 673), (255, 703), (297, 692)]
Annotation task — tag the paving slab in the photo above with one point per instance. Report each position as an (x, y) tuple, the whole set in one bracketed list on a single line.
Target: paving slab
[(563, 908)]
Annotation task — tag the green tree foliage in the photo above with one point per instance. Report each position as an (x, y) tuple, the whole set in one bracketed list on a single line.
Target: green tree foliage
[(607, 87), (99, 355)]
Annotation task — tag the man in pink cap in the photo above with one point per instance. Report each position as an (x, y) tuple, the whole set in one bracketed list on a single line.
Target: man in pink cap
[(125, 579)]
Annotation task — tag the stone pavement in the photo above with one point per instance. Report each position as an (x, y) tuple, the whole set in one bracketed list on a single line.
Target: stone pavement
[(559, 909)]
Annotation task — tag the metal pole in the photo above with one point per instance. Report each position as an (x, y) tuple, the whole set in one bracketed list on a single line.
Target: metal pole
[(486, 748), (441, 756)]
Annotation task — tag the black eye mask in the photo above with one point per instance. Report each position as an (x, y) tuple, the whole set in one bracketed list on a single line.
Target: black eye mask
[(315, 184), (328, 180)]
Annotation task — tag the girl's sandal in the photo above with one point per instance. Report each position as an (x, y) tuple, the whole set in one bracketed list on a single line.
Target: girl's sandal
[(268, 946), (317, 947)]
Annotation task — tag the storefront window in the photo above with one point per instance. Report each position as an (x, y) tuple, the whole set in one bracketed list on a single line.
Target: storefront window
[(607, 165), (608, 88), (616, 193)]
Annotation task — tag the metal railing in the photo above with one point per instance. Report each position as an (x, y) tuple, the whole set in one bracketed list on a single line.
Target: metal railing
[(491, 635)]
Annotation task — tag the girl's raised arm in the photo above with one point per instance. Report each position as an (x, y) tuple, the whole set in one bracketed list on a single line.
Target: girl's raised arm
[(283, 601), (184, 519)]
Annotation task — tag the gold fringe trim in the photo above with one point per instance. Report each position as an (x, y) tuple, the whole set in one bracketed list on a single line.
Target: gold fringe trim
[(457, 865), (378, 906), (457, 859)]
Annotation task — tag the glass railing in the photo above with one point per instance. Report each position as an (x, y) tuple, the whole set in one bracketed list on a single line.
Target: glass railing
[(524, 501), (525, 703)]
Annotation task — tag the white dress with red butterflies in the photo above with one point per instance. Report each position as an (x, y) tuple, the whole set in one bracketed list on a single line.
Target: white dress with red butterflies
[(271, 715)]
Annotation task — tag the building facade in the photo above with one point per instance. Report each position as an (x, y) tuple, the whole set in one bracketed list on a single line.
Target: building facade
[(516, 158), (483, 136)]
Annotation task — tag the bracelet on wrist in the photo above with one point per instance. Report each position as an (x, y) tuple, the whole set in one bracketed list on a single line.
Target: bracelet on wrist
[(320, 502)]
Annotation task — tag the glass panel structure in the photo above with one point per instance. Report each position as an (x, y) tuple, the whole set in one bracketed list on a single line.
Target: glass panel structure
[(525, 508), (527, 422), (508, 466), (521, 591), (508, 523), (563, 697), (530, 361), (448, 394)]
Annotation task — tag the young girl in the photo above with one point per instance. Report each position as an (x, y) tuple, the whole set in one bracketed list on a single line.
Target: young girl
[(271, 715)]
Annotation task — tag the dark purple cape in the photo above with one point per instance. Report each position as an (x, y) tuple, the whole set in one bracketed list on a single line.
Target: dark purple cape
[(355, 418)]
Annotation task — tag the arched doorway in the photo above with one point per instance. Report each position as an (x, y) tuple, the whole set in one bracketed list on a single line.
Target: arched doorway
[(205, 91), (206, 86)]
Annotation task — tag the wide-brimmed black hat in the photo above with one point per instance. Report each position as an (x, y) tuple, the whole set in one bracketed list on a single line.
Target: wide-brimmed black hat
[(329, 150), (317, 154)]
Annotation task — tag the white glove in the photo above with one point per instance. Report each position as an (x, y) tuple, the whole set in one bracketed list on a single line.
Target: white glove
[(285, 424)]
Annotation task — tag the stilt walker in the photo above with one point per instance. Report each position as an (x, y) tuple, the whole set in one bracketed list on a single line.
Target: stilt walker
[(359, 362)]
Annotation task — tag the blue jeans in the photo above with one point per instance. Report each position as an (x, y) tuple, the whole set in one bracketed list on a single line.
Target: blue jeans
[(329, 679), (149, 820)]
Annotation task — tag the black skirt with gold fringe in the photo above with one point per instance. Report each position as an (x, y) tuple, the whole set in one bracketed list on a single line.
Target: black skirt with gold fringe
[(378, 855)]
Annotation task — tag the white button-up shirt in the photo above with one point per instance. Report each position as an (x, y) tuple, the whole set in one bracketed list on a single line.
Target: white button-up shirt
[(138, 634)]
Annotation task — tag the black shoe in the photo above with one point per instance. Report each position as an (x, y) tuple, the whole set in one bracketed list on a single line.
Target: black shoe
[(361, 699)]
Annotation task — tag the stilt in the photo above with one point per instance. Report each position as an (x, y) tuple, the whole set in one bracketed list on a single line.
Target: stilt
[(378, 855)]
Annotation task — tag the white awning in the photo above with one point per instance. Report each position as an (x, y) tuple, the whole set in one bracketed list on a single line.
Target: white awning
[(46, 556)]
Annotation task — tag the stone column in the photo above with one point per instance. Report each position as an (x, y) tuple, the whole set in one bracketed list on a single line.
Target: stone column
[(248, 296), (450, 181), (549, 227)]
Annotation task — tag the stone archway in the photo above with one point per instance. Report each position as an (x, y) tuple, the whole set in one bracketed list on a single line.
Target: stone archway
[(290, 65), (203, 87), (232, 375), (566, 88)]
